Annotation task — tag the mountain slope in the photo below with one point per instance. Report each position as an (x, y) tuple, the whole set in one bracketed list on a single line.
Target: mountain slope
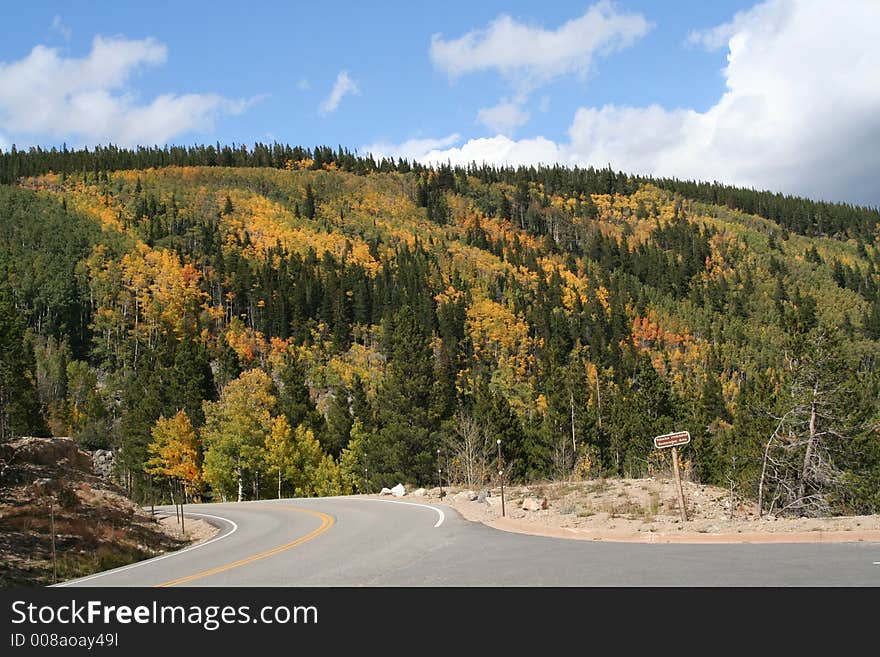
[(434, 309)]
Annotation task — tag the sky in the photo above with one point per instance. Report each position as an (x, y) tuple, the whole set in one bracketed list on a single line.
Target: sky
[(780, 94)]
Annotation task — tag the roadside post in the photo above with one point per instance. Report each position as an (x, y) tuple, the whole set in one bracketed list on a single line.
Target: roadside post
[(673, 440), (501, 476), (439, 475), (52, 530)]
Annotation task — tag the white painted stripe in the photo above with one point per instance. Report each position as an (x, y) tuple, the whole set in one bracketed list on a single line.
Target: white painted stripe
[(426, 506), (160, 557)]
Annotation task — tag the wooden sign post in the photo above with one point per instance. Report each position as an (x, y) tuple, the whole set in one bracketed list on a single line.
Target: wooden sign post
[(673, 440)]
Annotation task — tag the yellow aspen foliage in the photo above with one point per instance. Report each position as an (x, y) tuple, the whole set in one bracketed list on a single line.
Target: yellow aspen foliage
[(278, 453), (174, 452)]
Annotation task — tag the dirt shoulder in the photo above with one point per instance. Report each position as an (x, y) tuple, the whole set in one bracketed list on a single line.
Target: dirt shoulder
[(645, 511), (96, 526)]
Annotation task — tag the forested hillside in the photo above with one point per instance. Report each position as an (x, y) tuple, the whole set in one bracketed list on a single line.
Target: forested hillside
[(280, 321)]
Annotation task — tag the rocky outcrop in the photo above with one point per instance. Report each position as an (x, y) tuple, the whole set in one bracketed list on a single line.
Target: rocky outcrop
[(56, 452), (103, 463)]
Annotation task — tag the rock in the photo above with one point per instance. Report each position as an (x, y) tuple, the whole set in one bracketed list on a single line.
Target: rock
[(494, 502), (49, 451), (419, 492), (398, 491), (483, 496), (531, 504), (464, 496), (103, 463), (385, 491)]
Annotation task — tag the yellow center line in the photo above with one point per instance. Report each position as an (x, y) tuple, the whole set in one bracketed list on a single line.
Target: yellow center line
[(327, 522)]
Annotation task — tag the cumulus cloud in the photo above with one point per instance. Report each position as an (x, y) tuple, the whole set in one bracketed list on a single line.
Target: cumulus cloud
[(800, 113), (529, 56), (412, 148), (88, 100), (504, 117), (498, 150), (343, 86)]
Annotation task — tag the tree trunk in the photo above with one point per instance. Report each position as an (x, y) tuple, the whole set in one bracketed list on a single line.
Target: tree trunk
[(802, 489), (763, 473), (279, 483), (573, 439)]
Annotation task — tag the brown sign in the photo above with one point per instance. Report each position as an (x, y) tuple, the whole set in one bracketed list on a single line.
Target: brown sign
[(672, 439)]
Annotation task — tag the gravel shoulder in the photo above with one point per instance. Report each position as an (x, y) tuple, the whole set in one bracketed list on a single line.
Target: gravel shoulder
[(644, 511)]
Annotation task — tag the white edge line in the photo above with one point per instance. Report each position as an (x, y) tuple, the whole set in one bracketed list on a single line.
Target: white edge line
[(425, 506), (161, 556)]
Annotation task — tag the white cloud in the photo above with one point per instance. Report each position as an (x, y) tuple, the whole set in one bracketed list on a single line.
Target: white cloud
[(343, 86), (303, 84), (800, 114), (88, 100), (62, 29), (529, 56), (504, 117), (499, 150), (772, 14), (410, 149)]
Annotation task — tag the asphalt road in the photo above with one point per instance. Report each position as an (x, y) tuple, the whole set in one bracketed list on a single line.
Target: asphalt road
[(368, 542)]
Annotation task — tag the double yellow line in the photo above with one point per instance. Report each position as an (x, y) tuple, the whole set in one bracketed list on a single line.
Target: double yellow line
[(327, 522)]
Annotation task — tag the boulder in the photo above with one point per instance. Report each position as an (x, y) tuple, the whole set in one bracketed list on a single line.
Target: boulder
[(494, 502), (49, 451), (531, 504), (385, 491), (419, 492), (398, 491), (103, 462), (483, 496), (464, 496)]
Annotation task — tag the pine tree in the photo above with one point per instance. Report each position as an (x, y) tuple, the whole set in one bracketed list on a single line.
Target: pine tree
[(406, 441), (309, 203), (339, 423), (294, 399), (19, 408)]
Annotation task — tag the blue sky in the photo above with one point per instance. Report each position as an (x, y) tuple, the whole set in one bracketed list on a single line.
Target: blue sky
[(660, 87)]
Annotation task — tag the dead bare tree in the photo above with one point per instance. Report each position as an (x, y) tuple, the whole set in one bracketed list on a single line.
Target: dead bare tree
[(471, 449), (798, 463)]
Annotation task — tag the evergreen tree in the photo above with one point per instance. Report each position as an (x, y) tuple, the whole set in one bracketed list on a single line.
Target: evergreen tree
[(339, 423), (294, 400), (309, 203), (19, 408), (406, 440)]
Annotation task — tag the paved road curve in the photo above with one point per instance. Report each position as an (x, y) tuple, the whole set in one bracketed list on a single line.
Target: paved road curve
[(369, 542)]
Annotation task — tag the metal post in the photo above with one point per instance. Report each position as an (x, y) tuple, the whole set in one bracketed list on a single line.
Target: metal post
[(681, 505), (439, 475), (182, 502), (52, 530), (501, 477), (366, 482)]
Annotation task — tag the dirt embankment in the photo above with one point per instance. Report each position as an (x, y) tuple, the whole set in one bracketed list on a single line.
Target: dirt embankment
[(646, 511), (96, 526)]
